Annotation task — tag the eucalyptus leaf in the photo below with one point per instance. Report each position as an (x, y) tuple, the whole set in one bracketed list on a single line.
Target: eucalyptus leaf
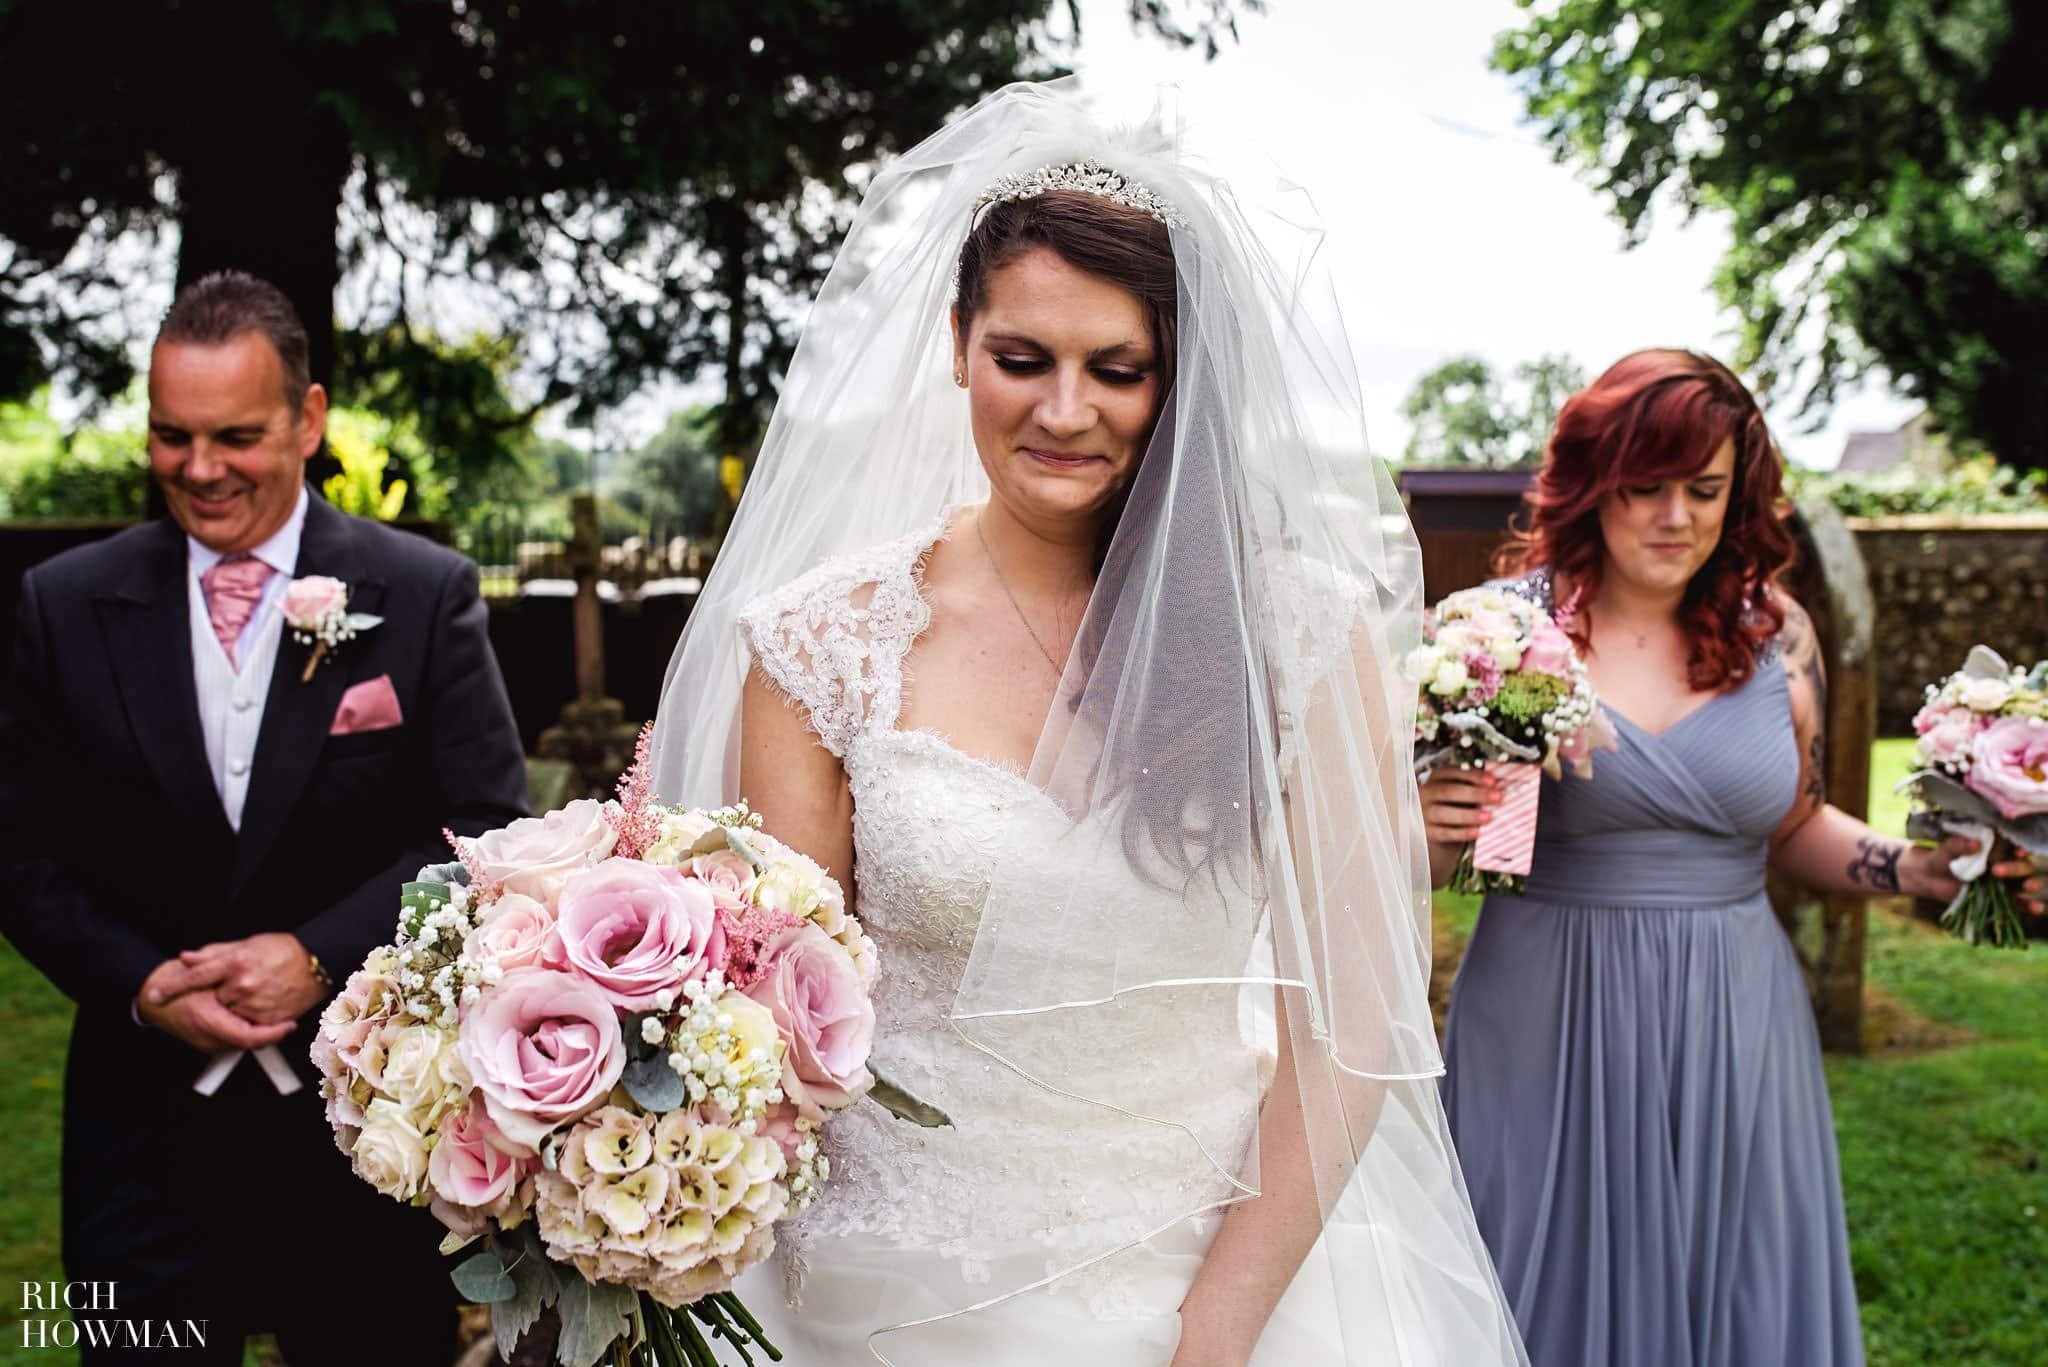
[(482, 1279), (594, 1317), (424, 897), (449, 873), (417, 900), (363, 621), (1985, 663), (538, 1286), (1953, 800), (904, 1106), (653, 1085)]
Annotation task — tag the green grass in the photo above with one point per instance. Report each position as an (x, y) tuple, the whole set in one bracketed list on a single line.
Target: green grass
[(35, 1020), (1890, 761), (1945, 1157)]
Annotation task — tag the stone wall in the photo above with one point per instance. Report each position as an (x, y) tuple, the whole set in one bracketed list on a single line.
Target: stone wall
[(1943, 584)]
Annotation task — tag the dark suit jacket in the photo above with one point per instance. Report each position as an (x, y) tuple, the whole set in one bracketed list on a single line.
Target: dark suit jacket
[(113, 845)]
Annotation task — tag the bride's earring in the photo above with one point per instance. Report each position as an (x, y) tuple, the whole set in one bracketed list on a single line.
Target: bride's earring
[(960, 376)]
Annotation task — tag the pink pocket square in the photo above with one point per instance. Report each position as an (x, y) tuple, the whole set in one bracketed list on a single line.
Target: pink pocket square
[(367, 706)]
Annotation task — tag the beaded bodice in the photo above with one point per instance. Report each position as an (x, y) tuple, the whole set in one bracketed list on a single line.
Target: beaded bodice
[(931, 826)]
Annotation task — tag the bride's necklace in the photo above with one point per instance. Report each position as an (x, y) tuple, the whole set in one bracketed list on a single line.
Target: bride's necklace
[(1018, 607)]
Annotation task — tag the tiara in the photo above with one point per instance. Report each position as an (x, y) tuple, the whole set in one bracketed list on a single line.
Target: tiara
[(1087, 177)]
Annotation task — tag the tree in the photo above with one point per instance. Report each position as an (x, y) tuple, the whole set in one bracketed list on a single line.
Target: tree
[(639, 188), (1884, 162), (1458, 415), (671, 483), (1462, 414)]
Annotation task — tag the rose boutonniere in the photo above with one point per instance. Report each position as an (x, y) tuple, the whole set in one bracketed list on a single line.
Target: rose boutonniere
[(316, 609)]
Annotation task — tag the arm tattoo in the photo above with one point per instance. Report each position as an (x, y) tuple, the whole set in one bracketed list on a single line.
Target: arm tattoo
[(1802, 648), (1876, 864)]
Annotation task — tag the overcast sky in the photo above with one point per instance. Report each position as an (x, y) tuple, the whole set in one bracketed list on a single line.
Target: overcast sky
[(1450, 228)]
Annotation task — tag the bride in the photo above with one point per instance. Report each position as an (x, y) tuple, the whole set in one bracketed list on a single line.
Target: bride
[(1060, 620)]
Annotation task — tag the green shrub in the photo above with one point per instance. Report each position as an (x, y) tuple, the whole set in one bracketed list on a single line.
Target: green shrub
[(101, 470), (1978, 484)]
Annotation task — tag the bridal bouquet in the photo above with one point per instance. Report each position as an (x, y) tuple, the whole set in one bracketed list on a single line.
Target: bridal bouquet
[(1984, 751), (603, 1044), (1502, 686)]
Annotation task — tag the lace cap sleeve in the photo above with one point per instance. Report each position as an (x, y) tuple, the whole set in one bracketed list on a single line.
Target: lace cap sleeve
[(833, 640), (1315, 608)]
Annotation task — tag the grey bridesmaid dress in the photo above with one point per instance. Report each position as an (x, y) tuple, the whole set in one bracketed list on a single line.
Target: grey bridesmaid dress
[(1634, 1081)]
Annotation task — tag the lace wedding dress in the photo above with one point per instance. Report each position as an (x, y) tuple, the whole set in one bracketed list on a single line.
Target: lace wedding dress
[(888, 1244)]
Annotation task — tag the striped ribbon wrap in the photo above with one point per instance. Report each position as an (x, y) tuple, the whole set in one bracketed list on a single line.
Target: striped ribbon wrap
[(1507, 841)]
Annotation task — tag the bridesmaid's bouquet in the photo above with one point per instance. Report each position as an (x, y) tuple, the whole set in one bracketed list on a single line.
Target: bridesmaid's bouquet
[(1984, 754), (1503, 686), (602, 1045)]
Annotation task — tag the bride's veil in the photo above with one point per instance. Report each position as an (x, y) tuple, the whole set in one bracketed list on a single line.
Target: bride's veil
[(1243, 861)]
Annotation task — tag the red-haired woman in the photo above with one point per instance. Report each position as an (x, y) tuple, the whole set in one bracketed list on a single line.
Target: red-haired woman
[(1634, 1081)]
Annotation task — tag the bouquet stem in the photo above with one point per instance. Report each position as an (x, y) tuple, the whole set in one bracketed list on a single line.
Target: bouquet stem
[(674, 1338), (1984, 913), (1467, 878)]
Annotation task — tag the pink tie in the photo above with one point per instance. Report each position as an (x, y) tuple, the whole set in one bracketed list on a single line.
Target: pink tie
[(233, 588)]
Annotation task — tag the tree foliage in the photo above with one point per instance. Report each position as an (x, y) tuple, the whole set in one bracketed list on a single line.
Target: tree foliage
[(95, 470), (637, 190), (1463, 414), (1885, 164), (672, 482)]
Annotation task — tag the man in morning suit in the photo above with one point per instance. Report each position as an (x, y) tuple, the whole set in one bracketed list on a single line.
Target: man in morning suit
[(200, 836)]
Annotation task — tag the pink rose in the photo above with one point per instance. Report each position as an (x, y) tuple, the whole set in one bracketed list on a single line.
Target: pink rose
[(2011, 767), (779, 1124), (1549, 651), (811, 986), (514, 932), (726, 876), (536, 854), (636, 930), (544, 1048), (466, 1168), (1944, 731), (1492, 623), (312, 600)]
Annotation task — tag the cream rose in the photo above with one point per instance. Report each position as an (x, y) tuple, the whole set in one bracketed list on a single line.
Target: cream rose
[(1984, 695), (390, 1153), (414, 1071), (1421, 663), (680, 831), (789, 887)]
